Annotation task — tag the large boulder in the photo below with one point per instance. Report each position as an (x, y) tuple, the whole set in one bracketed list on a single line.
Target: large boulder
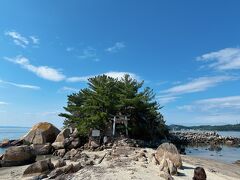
[(169, 151), (41, 133), (58, 145), (39, 167), (18, 155), (65, 133), (167, 166), (42, 149)]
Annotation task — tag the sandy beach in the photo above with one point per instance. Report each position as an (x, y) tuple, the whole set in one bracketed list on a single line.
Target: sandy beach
[(124, 168)]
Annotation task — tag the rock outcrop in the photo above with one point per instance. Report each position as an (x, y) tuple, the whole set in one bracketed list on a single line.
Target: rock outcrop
[(39, 167), (65, 133), (18, 155), (169, 151), (41, 133), (42, 149), (67, 139)]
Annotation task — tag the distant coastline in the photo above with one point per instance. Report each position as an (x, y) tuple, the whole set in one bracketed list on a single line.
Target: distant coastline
[(228, 127)]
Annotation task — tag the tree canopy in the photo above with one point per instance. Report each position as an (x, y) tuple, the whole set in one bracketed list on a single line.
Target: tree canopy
[(93, 107)]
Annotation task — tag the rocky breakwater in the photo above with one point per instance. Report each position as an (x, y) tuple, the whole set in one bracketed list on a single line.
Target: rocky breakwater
[(202, 137)]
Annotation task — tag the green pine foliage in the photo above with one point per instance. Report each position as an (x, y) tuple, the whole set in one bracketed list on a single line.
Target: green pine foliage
[(105, 97)]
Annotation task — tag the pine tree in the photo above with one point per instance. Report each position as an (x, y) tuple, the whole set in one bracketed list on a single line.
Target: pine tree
[(105, 97)]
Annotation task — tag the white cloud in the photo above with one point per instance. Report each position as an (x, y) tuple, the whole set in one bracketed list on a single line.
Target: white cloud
[(116, 47), (69, 49), (34, 39), (26, 86), (220, 104), (44, 72), (79, 78), (185, 107), (56, 75), (18, 39), (3, 103), (67, 89), (163, 100), (89, 53), (119, 75), (22, 41), (198, 84), (113, 74), (225, 59), (229, 102)]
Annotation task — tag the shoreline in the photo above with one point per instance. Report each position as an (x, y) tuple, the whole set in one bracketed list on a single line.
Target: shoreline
[(135, 170)]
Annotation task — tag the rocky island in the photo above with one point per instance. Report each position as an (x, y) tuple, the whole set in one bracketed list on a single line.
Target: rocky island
[(48, 153)]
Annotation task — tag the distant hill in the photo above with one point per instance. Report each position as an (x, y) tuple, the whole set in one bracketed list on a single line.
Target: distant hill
[(228, 127)]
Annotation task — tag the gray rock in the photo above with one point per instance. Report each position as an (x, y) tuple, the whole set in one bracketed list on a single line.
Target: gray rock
[(70, 154), (60, 163), (65, 133), (58, 145), (42, 149), (60, 152), (94, 144), (39, 167), (41, 133), (169, 151), (18, 155), (75, 133), (59, 171), (75, 143), (77, 167)]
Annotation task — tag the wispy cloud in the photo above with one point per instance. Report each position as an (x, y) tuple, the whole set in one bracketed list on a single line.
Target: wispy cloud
[(89, 53), (116, 47), (219, 104), (26, 86), (66, 89), (163, 100), (52, 74), (3, 103), (113, 74), (79, 78), (69, 49), (18, 39), (119, 75), (44, 72), (225, 59), (34, 39), (21, 40), (198, 84)]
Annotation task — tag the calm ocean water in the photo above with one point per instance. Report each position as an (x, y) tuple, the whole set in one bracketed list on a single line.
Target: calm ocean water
[(12, 133), (227, 154)]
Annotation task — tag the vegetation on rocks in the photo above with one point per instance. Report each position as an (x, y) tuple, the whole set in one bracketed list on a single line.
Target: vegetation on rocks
[(105, 97)]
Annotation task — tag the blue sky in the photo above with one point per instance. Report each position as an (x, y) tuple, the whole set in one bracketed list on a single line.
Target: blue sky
[(187, 51)]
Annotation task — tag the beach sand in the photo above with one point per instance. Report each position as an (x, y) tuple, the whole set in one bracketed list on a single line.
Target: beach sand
[(124, 168)]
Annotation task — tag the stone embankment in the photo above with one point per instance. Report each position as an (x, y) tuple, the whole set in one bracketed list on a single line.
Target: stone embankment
[(202, 137)]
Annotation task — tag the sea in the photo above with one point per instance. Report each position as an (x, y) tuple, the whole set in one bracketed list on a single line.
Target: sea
[(227, 154), (12, 133)]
